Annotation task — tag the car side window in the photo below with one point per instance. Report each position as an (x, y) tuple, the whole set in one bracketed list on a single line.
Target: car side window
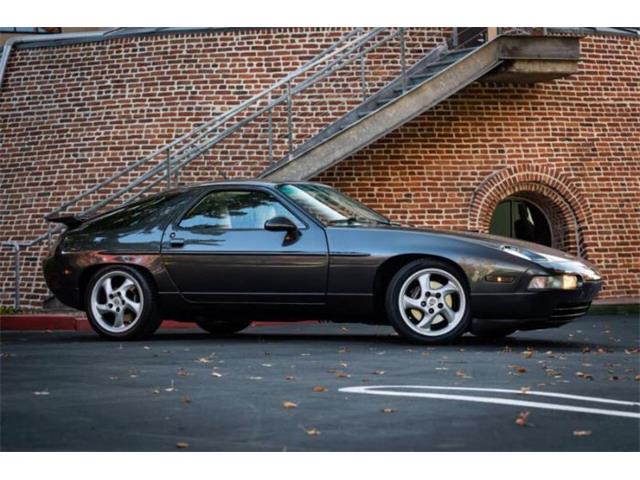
[(235, 210)]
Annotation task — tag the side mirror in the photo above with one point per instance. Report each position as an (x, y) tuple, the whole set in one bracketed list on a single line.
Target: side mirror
[(280, 224)]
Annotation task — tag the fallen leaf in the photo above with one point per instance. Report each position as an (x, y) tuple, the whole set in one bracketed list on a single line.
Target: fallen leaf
[(289, 377), (552, 373), (378, 372), (461, 374), (637, 378), (183, 372), (43, 392), (185, 399), (313, 432), (344, 364), (521, 420), (320, 389), (287, 404), (524, 390), (341, 374), (586, 349), (629, 351), (518, 369), (388, 410), (581, 433), (585, 376), (527, 354), (203, 360), (216, 374), (182, 445), (155, 391)]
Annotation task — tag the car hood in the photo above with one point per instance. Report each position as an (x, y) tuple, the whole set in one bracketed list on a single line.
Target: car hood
[(542, 255)]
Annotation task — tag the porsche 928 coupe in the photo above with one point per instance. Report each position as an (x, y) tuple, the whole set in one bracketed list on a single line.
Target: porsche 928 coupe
[(224, 254)]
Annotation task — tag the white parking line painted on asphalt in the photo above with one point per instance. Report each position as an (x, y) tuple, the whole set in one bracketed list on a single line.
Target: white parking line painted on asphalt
[(387, 390)]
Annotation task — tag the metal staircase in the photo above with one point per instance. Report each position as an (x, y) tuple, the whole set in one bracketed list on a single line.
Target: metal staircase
[(444, 70)]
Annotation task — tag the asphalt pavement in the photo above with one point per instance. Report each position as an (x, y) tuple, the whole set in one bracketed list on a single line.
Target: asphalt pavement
[(328, 387)]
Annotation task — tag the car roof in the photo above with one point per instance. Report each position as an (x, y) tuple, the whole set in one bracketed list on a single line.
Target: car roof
[(247, 182)]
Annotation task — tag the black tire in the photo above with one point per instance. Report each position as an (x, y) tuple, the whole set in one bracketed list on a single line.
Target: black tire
[(396, 317), (223, 328), (492, 332), (149, 317)]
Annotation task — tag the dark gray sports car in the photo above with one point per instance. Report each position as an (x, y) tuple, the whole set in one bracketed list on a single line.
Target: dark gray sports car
[(224, 254)]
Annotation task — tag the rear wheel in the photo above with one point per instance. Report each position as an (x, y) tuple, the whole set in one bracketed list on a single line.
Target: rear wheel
[(121, 304), (222, 328), (427, 301)]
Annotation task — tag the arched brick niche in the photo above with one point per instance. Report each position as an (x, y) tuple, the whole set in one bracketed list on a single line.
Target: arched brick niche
[(552, 192)]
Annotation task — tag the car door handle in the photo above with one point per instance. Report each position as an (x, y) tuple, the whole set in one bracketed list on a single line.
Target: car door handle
[(176, 242)]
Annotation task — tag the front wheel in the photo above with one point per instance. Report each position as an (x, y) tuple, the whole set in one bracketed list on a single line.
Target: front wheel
[(427, 302), (222, 328), (121, 304)]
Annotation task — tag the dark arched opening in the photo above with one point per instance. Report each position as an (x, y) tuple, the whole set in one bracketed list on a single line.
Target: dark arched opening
[(521, 218)]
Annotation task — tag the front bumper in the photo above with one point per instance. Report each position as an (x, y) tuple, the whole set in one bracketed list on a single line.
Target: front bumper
[(534, 309)]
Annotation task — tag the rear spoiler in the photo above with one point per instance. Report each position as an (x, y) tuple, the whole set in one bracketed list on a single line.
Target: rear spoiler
[(70, 221)]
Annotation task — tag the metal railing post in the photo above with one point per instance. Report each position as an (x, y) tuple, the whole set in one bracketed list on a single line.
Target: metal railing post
[(363, 85), (403, 62), (270, 127), (49, 237), (168, 175), (289, 120), (16, 263)]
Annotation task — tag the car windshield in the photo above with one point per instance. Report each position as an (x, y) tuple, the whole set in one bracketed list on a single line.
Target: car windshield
[(330, 206)]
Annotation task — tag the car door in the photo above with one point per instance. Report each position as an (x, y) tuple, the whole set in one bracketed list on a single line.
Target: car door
[(220, 252)]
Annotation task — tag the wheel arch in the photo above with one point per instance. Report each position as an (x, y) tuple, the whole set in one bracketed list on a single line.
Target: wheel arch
[(90, 271), (390, 266)]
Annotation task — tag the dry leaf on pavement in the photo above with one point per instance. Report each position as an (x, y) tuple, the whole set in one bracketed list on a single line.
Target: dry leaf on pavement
[(518, 369), (388, 410), (320, 389), (581, 433), (313, 432), (521, 420), (287, 404), (182, 445)]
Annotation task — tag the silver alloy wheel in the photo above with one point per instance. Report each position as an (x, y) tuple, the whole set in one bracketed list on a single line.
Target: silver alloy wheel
[(117, 301), (432, 302)]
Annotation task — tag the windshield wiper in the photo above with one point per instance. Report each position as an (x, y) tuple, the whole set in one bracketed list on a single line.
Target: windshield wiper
[(352, 220)]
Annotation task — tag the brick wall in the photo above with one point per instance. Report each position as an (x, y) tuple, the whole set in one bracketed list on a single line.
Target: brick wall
[(576, 141), (72, 115)]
